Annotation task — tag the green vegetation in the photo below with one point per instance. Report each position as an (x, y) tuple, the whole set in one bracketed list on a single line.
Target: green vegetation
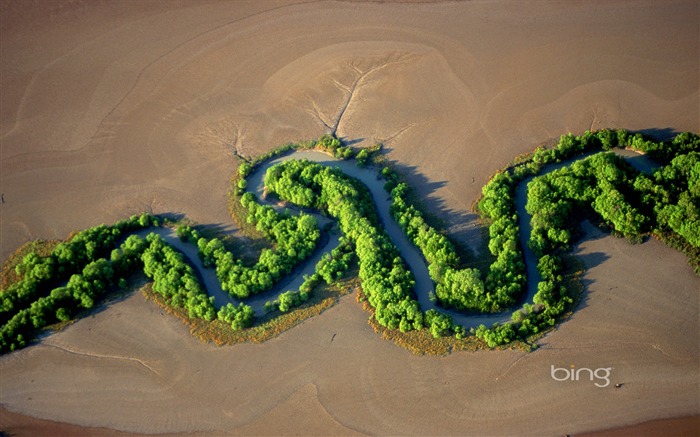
[(295, 237), (665, 203), (220, 332), (286, 301), (45, 288), (385, 280), (175, 280), (48, 284), (464, 289), (71, 277), (368, 155), (240, 317)]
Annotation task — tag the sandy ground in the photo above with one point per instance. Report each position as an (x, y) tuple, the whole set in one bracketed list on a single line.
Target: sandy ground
[(18, 425), (111, 108)]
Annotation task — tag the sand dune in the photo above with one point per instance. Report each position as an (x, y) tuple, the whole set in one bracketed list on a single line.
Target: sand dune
[(110, 108)]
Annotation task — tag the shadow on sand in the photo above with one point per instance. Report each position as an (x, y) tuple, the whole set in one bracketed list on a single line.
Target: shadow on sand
[(659, 134), (463, 228)]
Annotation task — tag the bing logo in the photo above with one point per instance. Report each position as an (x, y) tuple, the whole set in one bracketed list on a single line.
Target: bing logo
[(600, 376)]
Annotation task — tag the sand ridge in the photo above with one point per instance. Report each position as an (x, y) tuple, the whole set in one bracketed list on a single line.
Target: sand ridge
[(107, 110)]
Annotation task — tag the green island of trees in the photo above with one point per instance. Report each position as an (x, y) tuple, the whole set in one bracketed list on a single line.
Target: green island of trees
[(51, 284)]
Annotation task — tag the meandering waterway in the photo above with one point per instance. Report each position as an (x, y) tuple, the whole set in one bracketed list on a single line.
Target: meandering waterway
[(409, 252)]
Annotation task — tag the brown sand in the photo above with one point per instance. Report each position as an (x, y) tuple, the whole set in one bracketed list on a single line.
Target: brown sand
[(685, 426), (110, 108), (18, 425)]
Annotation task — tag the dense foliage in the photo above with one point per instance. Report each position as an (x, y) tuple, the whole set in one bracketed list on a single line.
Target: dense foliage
[(665, 202), (675, 196), (240, 317), (54, 289), (39, 274), (463, 288), (175, 280), (71, 278), (385, 279), (296, 238)]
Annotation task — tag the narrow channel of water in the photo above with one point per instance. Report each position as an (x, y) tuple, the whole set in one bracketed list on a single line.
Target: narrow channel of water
[(409, 252)]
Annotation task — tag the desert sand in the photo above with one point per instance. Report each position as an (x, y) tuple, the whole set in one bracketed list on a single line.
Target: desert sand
[(112, 108)]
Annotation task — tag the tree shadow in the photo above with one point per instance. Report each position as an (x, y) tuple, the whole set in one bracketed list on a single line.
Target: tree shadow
[(104, 302), (172, 216), (643, 163), (588, 232), (350, 142), (218, 229), (463, 229), (593, 259), (206, 229), (659, 134)]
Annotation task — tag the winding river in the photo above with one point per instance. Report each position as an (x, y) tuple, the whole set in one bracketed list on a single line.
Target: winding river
[(409, 252)]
